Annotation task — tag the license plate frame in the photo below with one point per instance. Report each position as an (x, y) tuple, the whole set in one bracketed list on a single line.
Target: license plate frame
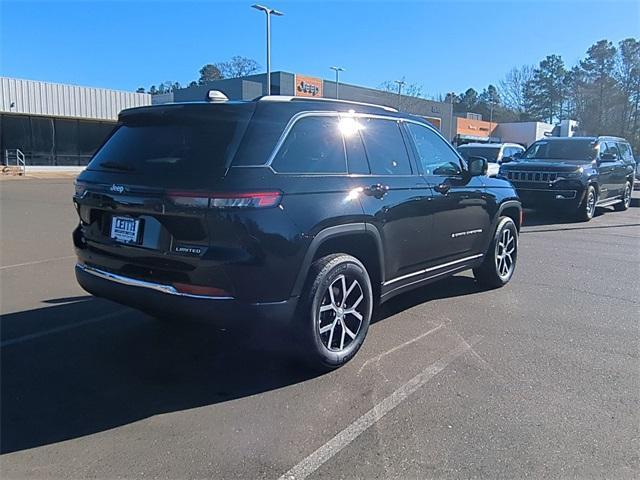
[(125, 230)]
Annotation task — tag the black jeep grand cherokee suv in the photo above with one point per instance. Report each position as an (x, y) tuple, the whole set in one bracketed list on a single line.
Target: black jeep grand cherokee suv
[(574, 174), (286, 212)]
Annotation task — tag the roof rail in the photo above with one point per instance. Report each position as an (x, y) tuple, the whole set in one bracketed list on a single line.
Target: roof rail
[(289, 98)]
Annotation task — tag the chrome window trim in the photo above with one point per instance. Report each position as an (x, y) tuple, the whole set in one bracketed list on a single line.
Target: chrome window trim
[(431, 269), (324, 113), (134, 282), (332, 113)]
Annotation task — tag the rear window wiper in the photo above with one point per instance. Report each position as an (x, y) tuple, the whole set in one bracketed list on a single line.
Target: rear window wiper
[(117, 166)]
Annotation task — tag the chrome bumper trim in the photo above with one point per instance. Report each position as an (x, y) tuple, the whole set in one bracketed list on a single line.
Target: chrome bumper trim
[(134, 282)]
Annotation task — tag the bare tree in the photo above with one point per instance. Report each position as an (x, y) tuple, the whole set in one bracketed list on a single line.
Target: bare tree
[(237, 67), (512, 88), (410, 93)]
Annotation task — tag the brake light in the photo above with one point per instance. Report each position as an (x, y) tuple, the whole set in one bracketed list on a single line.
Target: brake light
[(226, 199)]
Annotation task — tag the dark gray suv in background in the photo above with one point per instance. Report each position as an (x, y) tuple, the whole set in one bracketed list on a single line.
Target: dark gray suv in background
[(574, 174)]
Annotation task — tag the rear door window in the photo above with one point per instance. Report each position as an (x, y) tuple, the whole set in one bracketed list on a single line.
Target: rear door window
[(385, 147), (314, 145)]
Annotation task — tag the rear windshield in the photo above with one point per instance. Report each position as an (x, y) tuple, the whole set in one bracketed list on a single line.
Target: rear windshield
[(561, 150), (180, 143), (490, 153)]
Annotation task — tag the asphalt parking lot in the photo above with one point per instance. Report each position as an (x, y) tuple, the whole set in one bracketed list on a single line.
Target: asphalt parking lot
[(540, 379)]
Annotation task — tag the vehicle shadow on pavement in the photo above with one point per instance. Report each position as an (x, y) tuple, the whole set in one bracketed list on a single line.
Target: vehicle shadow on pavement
[(110, 373), (455, 286), (534, 218)]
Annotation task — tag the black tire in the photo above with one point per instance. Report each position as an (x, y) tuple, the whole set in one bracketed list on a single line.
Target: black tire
[(318, 310), (500, 260), (626, 198), (587, 208)]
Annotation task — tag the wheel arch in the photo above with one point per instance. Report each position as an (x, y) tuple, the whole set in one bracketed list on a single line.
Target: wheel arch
[(360, 240), (511, 209)]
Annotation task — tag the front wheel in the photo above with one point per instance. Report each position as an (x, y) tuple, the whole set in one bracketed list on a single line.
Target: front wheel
[(500, 262), (626, 199), (335, 313), (587, 208)]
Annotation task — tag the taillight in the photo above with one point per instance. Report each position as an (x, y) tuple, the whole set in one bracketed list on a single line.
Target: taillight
[(244, 200), (226, 199), (189, 199)]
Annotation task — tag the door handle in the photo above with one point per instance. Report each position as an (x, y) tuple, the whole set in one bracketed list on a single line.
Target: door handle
[(377, 190), (442, 188)]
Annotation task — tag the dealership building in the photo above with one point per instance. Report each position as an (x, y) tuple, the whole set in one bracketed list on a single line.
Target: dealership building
[(57, 124), (294, 84)]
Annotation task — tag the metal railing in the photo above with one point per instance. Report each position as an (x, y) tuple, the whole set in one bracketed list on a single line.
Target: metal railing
[(15, 157)]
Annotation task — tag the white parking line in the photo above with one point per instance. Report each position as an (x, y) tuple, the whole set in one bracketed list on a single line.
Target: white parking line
[(314, 461), (55, 259), (63, 328), (379, 357)]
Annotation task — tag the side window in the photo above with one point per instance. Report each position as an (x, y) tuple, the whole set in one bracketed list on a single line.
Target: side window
[(625, 152), (513, 150), (314, 145), (603, 148), (613, 148), (385, 147), (436, 156)]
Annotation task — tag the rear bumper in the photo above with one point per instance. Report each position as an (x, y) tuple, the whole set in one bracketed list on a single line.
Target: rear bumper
[(164, 300)]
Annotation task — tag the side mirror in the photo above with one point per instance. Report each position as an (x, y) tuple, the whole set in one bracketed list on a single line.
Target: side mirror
[(478, 166), (506, 160), (608, 157), (517, 155)]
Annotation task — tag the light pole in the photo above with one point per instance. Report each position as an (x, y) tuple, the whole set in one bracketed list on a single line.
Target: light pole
[(451, 98), (337, 70), (491, 103), (401, 84), (268, 12)]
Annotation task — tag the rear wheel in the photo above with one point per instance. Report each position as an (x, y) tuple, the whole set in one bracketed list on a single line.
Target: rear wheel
[(626, 198), (500, 262), (335, 313), (587, 208)]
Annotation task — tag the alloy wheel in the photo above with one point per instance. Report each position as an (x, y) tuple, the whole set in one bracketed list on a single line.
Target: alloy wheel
[(341, 313), (627, 196), (591, 204), (505, 253)]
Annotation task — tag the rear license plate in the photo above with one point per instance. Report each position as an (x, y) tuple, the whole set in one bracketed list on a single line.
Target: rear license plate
[(125, 229)]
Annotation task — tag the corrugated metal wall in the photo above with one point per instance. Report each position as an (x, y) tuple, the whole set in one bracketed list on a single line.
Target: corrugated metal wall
[(60, 100)]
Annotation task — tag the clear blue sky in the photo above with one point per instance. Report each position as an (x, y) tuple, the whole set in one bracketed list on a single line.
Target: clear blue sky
[(443, 46)]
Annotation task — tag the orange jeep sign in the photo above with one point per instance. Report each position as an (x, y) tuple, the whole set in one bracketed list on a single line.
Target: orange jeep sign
[(308, 86)]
